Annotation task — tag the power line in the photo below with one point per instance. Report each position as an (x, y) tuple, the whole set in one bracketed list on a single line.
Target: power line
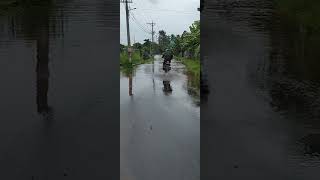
[(143, 28), (145, 18), (134, 17), (139, 26), (172, 10), (152, 32), (126, 1), (163, 9)]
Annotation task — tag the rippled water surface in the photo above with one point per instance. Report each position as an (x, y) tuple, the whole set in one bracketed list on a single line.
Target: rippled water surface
[(262, 113), (54, 107)]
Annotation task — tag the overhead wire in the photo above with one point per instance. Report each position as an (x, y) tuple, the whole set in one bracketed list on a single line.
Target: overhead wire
[(145, 18), (137, 2), (143, 28), (134, 17), (141, 14), (142, 25), (170, 10)]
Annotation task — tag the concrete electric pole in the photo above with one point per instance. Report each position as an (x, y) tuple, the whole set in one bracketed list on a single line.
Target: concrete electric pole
[(152, 32), (128, 26)]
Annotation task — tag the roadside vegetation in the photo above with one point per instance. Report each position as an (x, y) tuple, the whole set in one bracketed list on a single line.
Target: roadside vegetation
[(185, 48), (193, 72), (192, 65), (136, 59)]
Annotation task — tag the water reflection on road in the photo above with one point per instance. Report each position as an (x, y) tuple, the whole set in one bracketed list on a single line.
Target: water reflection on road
[(52, 124), (160, 127), (263, 115)]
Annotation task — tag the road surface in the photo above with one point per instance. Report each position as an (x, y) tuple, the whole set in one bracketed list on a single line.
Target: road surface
[(56, 74), (160, 129), (262, 113)]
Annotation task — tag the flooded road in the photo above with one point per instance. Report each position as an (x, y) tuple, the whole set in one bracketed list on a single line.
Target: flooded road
[(56, 70), (160, 124), (262, 114)]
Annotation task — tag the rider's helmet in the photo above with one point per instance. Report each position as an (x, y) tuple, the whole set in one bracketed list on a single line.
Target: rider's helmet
[(168, 52)]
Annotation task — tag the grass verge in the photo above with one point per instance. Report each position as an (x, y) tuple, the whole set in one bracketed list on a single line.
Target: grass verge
[(192, 65), (193, 75), (126, 67)]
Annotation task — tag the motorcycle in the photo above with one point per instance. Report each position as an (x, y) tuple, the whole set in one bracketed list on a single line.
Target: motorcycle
[(167, 89), (166, 66)]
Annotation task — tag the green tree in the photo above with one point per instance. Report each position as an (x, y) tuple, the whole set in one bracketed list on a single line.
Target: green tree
[(163, 40), (122, 47), (146, 48), (191, 40), (138, 47)]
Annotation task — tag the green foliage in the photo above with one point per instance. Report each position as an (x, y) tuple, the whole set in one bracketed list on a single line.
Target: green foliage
[(186, 43), (164, 41), (122, 48), (136, 59), (192, 65), (191, 40), (193, 74), (176, 44)]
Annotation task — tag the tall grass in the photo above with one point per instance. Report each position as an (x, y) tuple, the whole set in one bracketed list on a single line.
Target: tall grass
[(136, 59), (192, 65)]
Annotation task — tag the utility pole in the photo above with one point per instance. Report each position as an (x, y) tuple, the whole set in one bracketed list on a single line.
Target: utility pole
[(152, 31), (128, 38), (128, 26)]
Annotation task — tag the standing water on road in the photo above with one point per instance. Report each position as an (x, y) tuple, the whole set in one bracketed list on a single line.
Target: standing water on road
[(263, 116), (55, 107), (160, 124)]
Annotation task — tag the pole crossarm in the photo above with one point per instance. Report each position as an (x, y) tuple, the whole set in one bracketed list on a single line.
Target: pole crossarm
[(152, 32)]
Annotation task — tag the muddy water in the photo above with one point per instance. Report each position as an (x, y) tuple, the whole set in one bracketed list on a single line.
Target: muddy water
[(262, 114), (160, 124)]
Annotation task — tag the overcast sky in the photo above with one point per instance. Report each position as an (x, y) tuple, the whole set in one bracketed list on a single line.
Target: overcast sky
[(172, 16)]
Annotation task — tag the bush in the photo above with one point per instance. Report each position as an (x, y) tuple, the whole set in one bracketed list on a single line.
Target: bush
[(136, 59)]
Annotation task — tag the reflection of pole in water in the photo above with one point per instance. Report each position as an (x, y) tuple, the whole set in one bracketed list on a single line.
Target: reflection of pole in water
[(130, 84), (42, 71), (154, 86)]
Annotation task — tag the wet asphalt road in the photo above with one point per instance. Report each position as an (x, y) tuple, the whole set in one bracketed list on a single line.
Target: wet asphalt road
[(261, 116), (56, 74), (160, 130)]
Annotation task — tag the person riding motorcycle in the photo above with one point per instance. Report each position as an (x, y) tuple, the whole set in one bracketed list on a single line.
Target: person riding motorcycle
[(167, 56)]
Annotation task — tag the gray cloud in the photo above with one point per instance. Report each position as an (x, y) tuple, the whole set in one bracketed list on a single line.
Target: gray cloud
[(165, 13), (153, 1)]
